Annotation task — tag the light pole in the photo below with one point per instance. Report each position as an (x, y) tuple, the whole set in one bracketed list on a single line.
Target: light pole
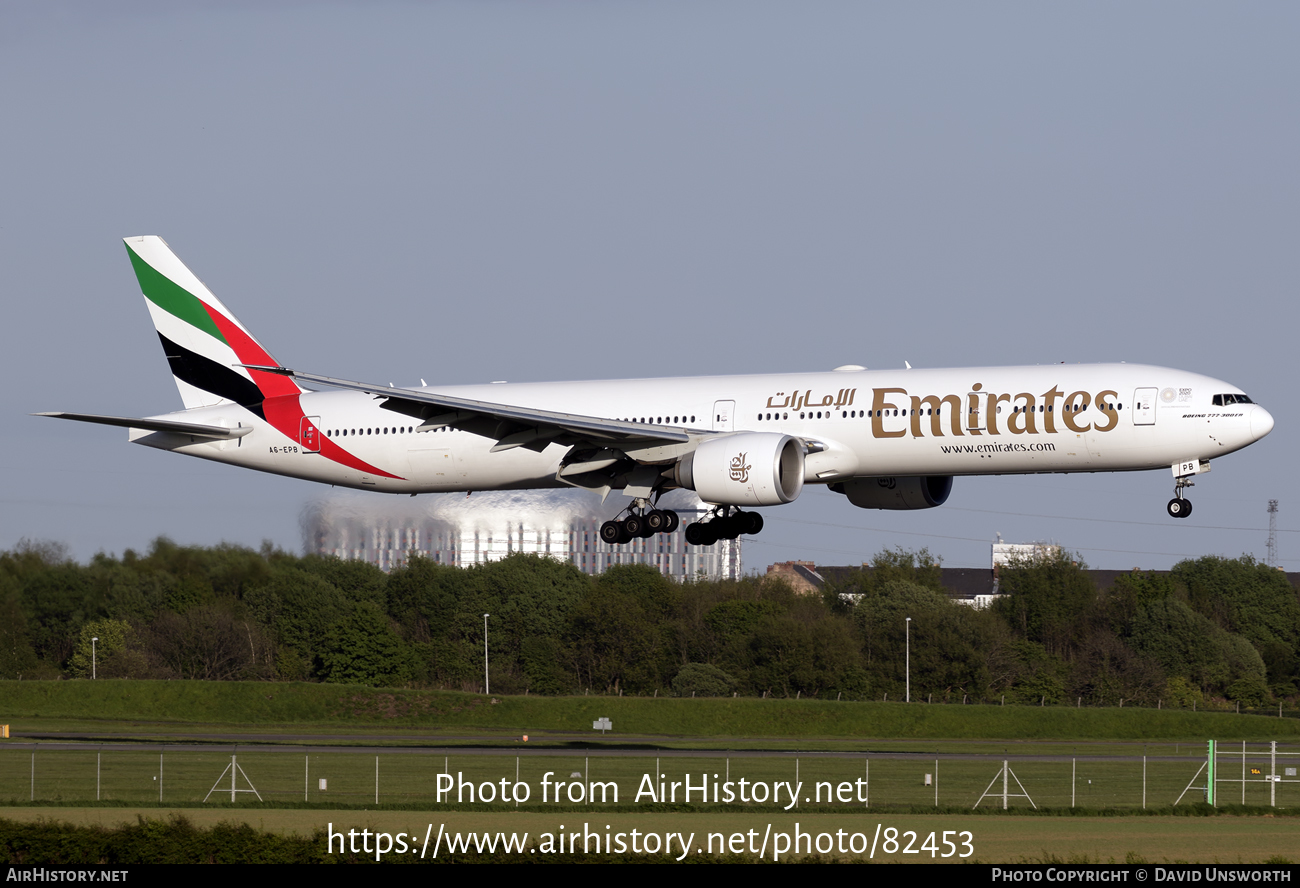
[(487, 689), (908, 631), (93, 670)]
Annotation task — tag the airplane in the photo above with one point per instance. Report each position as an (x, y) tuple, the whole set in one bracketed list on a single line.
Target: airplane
[(885, 439)]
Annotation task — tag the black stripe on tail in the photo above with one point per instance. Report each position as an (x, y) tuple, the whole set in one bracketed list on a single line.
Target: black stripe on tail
[(207, 374)]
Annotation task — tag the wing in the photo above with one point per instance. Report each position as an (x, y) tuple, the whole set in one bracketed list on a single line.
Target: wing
[(509, 425)]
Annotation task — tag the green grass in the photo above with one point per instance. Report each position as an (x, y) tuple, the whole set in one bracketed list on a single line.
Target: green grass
[(165, 708), (69, 835)]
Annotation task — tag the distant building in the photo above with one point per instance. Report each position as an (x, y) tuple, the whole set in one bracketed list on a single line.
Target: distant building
[(1007, 553), (459, 530), (974, 586), (978, 586), (801, 575)]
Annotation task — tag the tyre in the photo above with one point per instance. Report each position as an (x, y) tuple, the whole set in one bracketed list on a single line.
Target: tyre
[(695, 534), (611, 532)]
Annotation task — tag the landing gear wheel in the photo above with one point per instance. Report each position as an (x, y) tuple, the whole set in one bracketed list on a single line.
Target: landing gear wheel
[(702, 533), (674, 522), (755, 523), (657, 521), (611, 532), (634, 525)]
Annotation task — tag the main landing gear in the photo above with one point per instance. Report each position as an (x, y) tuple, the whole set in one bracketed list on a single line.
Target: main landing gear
[(1179, 507), (726, 523), (639, 525)]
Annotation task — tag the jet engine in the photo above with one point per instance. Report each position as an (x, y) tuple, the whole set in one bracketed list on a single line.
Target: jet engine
[(746, 469), (923, 492)]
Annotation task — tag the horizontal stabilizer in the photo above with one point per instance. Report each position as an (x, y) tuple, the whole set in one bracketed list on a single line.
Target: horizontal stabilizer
[(156, 425)]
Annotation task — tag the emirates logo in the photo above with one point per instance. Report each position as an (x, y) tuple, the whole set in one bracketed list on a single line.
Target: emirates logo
[(739, 471)]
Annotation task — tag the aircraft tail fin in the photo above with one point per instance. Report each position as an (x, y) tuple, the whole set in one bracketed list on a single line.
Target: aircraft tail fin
[(205, 344)]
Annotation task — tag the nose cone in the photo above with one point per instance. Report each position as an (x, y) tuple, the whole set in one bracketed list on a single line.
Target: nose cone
[(1261, 422)]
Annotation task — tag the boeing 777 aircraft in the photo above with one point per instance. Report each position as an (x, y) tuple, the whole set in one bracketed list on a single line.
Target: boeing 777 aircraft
[(885, 439)]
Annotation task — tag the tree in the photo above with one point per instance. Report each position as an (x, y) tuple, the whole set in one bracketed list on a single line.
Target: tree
[(1106, 671), (437, 608), (612, 642), (702, 680), (207, 643), (1243, 596), (1183, 642), (57, 600), (1046, 601), (17, 657), (90, 657), (363, 649), (951, 643), (357, 580), (887, 566), (298, 609)]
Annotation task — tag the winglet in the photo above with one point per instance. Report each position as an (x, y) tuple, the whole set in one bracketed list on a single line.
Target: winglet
[(281, 371)]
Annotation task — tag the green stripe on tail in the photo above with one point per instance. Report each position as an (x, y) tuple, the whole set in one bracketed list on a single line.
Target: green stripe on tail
[(172, 298)]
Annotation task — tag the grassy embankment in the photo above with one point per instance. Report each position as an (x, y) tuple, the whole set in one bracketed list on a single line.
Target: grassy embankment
[(174, 709)]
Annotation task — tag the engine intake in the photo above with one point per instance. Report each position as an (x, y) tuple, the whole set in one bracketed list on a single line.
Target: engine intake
[(747, 469), (887, 492)]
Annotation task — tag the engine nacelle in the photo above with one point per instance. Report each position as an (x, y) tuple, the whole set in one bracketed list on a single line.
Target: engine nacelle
[(896, 493), (747, 469)]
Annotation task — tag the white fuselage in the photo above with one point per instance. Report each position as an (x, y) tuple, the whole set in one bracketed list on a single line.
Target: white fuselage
[(993, 420)]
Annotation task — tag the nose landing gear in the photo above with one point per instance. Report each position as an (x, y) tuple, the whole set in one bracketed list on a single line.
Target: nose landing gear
[(1179, 507)]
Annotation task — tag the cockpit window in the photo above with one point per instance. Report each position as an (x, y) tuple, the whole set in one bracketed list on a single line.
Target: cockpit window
[(1227, 400)]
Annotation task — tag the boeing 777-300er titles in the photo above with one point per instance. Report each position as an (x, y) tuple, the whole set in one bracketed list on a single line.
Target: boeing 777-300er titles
[(884, 439)]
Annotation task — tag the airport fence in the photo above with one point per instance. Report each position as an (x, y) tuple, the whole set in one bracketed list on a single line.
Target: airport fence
[(1162, 776)]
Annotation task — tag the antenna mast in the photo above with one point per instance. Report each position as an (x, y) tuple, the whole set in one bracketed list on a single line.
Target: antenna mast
[(1272, 533)]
